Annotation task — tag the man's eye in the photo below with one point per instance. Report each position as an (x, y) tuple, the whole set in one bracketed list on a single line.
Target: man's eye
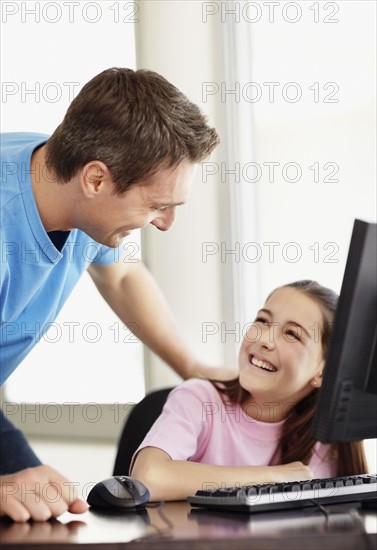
[(261, 320)]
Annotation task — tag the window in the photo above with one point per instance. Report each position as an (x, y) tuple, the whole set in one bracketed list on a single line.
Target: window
[(299, 99), (299, 94), (66, 45)]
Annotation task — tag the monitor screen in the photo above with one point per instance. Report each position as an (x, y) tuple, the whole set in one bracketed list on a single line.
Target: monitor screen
[(347, 406)]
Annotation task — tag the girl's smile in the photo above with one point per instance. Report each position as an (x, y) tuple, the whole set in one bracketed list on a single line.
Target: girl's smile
[(261, 363)]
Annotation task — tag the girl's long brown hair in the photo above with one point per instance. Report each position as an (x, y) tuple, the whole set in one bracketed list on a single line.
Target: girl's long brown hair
[(296, 441)]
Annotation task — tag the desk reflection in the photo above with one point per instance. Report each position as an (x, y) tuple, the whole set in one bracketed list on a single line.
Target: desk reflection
[(53, 531), (306, 520), (177, 521), (91, 527)]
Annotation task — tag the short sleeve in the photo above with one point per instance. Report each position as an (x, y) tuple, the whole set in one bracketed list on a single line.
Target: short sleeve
[(179, 428)]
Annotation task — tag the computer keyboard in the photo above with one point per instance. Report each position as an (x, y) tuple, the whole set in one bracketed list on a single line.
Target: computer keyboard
[(283, 496)]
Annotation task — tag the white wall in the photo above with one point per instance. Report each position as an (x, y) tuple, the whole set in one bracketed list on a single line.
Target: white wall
[(340, 57), (173, 40)]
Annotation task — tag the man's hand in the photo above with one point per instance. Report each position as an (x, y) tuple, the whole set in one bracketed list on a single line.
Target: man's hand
[(38, 493), (134, 296)]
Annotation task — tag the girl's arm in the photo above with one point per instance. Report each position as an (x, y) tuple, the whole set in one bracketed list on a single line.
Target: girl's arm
[(169, 479)]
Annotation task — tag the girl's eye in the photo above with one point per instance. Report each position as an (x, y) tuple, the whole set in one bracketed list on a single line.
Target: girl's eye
[(294, 335)]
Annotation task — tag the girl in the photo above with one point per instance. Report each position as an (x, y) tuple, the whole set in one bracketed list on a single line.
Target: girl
[(256, 428)]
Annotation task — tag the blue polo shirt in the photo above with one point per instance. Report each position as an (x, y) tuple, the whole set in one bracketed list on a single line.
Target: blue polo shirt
[(36, 278)]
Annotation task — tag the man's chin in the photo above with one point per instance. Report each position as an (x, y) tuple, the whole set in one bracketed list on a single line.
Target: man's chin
[(112, 241), (117, 240), (113, 245)]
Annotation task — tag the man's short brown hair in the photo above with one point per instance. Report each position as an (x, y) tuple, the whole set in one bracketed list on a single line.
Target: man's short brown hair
[(134, 122)]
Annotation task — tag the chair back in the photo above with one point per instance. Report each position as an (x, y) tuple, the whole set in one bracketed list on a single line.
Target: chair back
[(136, 427)]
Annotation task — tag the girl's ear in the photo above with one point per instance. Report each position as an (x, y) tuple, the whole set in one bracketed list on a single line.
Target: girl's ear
[(316, 382)]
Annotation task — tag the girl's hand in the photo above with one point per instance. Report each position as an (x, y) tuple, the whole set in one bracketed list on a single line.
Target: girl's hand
[(294, 471)]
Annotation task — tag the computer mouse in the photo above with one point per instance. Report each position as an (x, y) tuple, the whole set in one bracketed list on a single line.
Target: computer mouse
[(120, 493)]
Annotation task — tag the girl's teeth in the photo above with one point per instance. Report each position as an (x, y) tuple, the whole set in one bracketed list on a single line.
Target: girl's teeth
[(262, 365)]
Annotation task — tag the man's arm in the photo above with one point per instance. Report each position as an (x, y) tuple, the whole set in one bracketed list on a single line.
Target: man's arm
[(134, 296)]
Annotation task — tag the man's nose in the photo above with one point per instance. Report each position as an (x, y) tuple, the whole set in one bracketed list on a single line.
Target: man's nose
[(165, 220)]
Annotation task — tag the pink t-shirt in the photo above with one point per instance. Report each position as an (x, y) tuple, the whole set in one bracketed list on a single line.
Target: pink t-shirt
[(196, 425)]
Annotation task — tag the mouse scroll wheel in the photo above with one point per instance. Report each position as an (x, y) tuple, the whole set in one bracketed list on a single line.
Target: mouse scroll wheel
[(127, 482)]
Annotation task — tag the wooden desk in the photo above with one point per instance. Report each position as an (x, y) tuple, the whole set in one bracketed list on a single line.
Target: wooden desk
[(176, 525)]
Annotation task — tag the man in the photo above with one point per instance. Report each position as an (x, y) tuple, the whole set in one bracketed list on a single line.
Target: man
[(123, 157)]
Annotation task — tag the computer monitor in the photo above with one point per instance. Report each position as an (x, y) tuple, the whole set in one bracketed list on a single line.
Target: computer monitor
[(347, 406)]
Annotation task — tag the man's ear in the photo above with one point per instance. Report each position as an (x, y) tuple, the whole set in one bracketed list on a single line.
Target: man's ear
[(94, 178)]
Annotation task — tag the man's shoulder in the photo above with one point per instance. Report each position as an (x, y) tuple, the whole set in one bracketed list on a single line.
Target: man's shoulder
[(20, 139), (16, 151)]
